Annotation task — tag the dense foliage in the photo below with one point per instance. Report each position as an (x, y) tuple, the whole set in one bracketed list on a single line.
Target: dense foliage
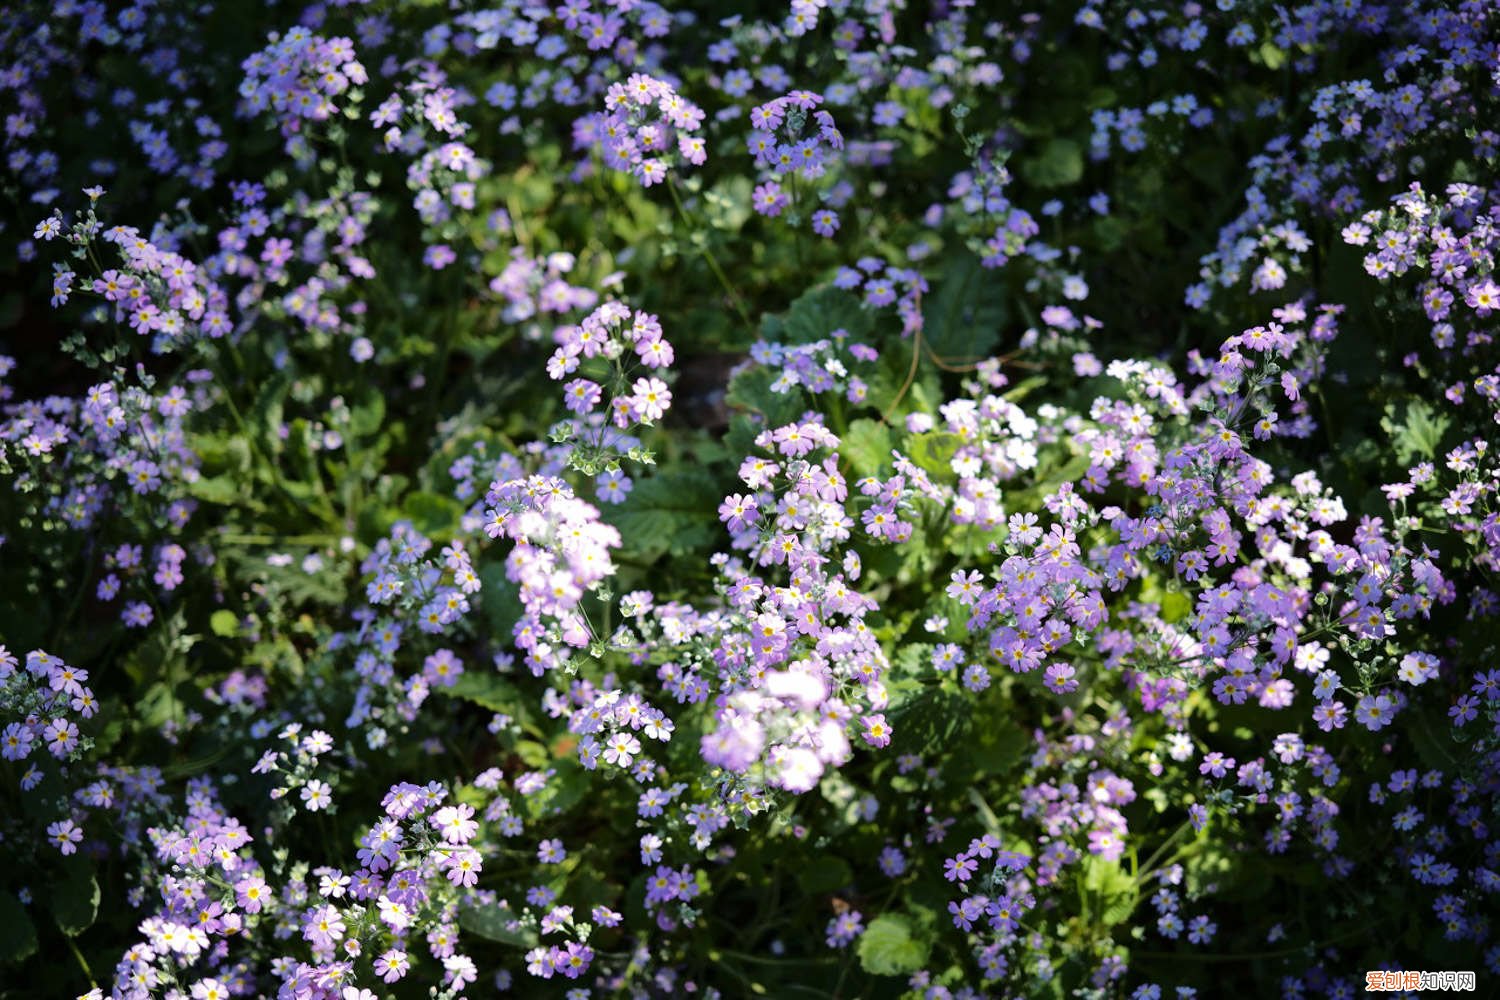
[(857, 498)]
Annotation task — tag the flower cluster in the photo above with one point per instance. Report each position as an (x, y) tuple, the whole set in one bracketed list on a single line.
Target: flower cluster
[(789, 160), (609, 343), (647, 128), (300, 77), (561, 555)]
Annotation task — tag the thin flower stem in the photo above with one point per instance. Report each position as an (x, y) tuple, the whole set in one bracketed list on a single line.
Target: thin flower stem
[(1147, 869), (82, 962), (713, 262), (911, 375)]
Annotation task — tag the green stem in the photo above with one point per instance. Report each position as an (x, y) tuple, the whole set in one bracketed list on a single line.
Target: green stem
[(82, 962), (713, 262), (1147, 868), (226, 393)]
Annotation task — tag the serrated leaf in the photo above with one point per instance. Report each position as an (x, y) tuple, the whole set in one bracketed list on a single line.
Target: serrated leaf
[(564, 789), (669, 514), (727, 204), (1416, 429), (816, 315), (888, 947), (1175, 606), (867, 446), (1114, 887), (933, 451), (750, 390), (930, 718), (487, 690), (1025, 387), (222, 490), (500, 598), (963, 318), (265, 413)]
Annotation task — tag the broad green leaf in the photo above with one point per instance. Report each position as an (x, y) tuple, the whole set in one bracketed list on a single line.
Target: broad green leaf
[(500, 599), (1059, 163), (366, 418), (224, 624), (264, 415), (826, 874), (750, 390), (934, 450), (1113, 886), (497, 924), (433, 514), (1175, 606), (17, 932), (889, 947), (930, 718), (727, 204), (963, 318), (867, 446), (75, 902), (1416, 429), (816, 315), (487, 690), (564, 789), (225, 491), (669, 514)]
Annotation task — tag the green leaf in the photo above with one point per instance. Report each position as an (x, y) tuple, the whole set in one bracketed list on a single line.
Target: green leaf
[(225, 491), (867, 446), (1106, 877), (1175, 606), (75, 902), (930, 718), (727, 204), (669, 514), (497, 924), (224, 624), (826, 874), (1416, 429), (963, 318), (1273, 57), (500, 598), (563, 790), (1432, 738), (1025, 387), (889, 948), (815, 315), (17, 932), (266, 412), (750, 390), (366, 418), (1058, 164), (934, 450), (1114, 887), (487, 690), (433, 514)]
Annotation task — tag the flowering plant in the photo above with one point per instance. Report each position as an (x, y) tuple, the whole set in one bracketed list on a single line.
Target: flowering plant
[(849, 499)]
